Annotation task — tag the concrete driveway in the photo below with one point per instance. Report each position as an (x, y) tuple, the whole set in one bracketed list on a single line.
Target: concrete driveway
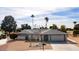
[(65, 47), (69, 46)]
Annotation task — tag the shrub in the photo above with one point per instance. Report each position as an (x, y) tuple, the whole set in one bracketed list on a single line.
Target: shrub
[(3, 36), (19, 30), (13, 36), (75, 32), (63, 28)]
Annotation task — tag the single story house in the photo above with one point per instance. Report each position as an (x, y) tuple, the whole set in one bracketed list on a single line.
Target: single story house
[(42, 35)]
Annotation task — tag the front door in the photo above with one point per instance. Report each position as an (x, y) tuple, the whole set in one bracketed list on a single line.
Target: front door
[(46, 38), (26, 38)]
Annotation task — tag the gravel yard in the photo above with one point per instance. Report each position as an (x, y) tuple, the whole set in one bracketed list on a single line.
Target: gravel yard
[(23, 46)]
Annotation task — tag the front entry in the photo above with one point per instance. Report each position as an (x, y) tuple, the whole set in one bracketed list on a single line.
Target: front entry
[(26, 37), (46, 38)]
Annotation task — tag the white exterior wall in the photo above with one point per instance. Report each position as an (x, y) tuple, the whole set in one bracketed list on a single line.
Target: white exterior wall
[(50, 37), (39, 38), (42, 37), (35, 37), (29, 36), (21, 36)]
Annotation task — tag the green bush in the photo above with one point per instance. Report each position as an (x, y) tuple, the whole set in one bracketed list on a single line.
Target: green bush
[(19, 30), (3, 36), (75, 32), (13, 36)]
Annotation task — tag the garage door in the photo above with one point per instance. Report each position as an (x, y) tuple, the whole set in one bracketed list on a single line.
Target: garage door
[(57, 37)]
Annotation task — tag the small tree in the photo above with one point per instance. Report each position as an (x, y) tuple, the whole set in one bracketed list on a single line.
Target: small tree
[(25, 26), (76, 30), (29, 27), (69, 29), (18, 29), (8, 24), (63, 28), (13, 36), (53, 27)]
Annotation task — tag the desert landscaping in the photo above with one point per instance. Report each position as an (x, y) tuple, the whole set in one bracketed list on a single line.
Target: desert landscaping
[(23, 46), (76, 39)]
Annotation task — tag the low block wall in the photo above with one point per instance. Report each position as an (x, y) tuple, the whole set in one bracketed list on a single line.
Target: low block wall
[(3, 41)]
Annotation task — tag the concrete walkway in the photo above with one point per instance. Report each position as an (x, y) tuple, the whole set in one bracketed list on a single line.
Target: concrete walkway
[(65, 47)]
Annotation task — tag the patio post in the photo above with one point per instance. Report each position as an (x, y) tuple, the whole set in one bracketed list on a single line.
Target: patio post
[(41, 38), (30, 41)]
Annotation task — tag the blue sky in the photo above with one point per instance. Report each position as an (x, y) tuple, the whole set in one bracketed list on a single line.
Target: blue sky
[(58, 16)]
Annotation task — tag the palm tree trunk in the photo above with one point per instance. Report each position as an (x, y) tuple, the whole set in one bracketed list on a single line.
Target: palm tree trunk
[(46, 24)]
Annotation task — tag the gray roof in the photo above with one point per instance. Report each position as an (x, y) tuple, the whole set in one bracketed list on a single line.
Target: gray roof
[(41, 31), (52, 32), (31, 31), (26, 32)]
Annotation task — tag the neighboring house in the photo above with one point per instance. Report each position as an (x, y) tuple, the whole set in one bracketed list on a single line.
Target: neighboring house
[(42, 35)]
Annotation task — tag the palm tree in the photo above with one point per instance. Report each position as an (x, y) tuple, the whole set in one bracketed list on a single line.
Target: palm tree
[(47, 19), (74, 26), (32, 20), (74, 23)]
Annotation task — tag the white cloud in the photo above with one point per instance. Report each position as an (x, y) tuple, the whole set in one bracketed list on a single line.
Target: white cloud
[(22, 15)]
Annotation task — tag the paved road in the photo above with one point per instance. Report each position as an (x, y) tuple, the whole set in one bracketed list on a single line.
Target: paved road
[(65, 47)]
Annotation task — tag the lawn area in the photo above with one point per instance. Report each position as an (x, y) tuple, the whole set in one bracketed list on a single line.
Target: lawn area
[(22, 46)]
